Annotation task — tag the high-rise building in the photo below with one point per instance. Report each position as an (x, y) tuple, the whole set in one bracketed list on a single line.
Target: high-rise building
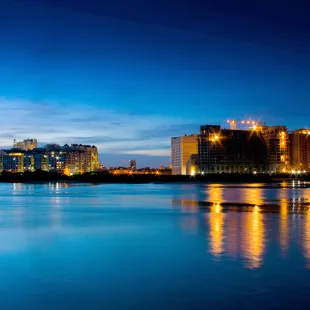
[(230, 150), (28, 144), (181, 150), (133, 164), (91, 157), (300, 149), (277, 142)]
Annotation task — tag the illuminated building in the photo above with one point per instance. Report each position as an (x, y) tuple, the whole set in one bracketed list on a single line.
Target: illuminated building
[(28, 144), (12, 161), (37, 159), (181, 150), (90, 160), (277, 142), (230, 150), (300, 149), (132, 164), (67, 159), (191, 165)]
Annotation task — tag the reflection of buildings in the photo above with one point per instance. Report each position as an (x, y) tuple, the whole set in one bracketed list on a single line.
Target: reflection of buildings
[(233, 230), (252, 238), (306, 238), (284, 223), (181, 150), (300, 149), (216, 222)]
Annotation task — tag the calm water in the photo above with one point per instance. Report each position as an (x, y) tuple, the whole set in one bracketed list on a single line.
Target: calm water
[(79, 246)]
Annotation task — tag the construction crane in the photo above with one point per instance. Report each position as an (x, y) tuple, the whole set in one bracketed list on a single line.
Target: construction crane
[(233, 123)]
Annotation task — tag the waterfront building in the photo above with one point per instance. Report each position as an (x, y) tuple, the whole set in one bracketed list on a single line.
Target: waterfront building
[(12, 161), (28, 144), (277, 142), (191, 165), (181, 149), (300, 149), (90, 158), (230, 150), (67, 159), (132, 164)]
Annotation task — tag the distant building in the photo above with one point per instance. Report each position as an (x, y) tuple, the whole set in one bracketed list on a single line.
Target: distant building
[(28, 144), (12, 161), (181, 149), (132, 164), (90, 158), (277, 142), (67, 159), (300, 149), (36, 159), (230, 150)]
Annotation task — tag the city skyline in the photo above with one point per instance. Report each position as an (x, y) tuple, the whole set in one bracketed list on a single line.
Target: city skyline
[(128, 79)]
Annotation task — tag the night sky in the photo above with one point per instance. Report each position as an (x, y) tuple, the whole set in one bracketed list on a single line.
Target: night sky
[(128, 75)]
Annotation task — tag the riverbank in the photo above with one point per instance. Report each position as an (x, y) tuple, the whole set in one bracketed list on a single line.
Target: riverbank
[(42, 176)]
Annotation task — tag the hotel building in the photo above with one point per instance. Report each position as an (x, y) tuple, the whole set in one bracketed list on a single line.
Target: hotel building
[(181, 150)]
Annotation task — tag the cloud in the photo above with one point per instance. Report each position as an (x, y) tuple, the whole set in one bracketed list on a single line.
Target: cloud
[(112, 131)]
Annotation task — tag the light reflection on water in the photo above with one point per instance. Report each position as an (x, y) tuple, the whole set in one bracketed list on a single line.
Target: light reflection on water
[(238, 239)]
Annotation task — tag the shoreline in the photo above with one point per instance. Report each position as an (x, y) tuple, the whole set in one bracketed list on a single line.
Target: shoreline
[(99, 178)]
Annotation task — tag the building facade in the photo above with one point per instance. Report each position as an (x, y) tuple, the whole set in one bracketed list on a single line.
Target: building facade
[(12, 161), (230, 150), (67, 159), (181, 150), (300, 149), (277, 142), (28, 144)]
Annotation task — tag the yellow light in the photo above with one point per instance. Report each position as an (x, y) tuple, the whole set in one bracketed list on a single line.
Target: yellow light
[(193, 172), (228, 121), (308, 132), (216, 137), (242, 122), (256, 209), (254, 127)]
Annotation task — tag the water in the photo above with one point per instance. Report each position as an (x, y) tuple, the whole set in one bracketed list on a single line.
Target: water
[(165, 246)]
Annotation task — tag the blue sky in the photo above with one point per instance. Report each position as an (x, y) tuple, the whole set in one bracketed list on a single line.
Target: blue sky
[(128, 75)]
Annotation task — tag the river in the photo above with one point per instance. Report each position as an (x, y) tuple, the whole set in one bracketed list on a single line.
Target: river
[(155, 246)]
